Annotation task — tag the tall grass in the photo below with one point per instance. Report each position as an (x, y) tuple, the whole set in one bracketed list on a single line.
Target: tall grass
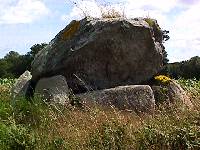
[(107, 10), (39, 125), (192, 86)]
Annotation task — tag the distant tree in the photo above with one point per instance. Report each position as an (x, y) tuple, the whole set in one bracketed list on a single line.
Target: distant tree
[(3, 68), (14, 64), (173, 69), (165, 59), (36, 48), (165, 38), (185, 69), (29, 56), (165, 35), (11, 55)]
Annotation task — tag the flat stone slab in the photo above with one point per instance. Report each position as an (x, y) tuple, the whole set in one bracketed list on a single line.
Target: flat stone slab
[(138, 98)]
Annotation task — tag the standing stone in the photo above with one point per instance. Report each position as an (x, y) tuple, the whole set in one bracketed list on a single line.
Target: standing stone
[(172, 93), (102, 53), (176, 93), (21, 85), (53, 89)]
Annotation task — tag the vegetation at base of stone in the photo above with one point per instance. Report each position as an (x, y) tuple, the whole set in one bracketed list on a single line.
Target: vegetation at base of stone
[(14, 64), (7, 82), (190, 84), (38, 125)]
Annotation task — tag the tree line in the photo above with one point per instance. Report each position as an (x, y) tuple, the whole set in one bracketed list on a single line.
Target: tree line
[(185, 69), (14, 64)]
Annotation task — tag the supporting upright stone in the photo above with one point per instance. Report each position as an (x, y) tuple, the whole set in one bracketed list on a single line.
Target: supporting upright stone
[(21, 85), (53, 89)]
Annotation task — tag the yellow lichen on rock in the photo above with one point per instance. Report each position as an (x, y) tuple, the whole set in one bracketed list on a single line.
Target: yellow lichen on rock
[(71, 31)]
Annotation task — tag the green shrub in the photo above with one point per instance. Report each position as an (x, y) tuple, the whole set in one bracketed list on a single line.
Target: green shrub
[(16, 137), (190, 84), (57, 143), (150, 21), (31, 113), (176, 138), (109, 136), (5, 110), (7, 81), (150, 138)]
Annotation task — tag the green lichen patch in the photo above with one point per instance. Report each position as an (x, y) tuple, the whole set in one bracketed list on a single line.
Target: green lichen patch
[(150, 21)]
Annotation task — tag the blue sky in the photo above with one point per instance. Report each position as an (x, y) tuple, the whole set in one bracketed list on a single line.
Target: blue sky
[(24, 23)]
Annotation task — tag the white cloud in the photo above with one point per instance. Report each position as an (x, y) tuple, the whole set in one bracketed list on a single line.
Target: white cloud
[(82, 9), (21, 11), (131, 8), (180, 17), (162, 6), (185, 37)]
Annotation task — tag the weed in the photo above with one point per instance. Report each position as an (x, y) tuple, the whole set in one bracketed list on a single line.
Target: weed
[(163, 80), (107, 10)]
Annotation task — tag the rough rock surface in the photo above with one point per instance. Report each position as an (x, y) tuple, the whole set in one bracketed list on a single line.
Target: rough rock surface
[(97, 54), (138, 98), (176, 92), (53, 89), (171, 93), (21, 85)]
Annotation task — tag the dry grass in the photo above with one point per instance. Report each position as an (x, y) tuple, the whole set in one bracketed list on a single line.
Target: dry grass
[(110, 11), (107, 10), (78, 125), (98, 128)]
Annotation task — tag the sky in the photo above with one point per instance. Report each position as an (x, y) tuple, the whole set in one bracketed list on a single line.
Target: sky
[(24, 23)]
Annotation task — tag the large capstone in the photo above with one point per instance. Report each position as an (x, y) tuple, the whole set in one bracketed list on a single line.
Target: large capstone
[(97, 54)]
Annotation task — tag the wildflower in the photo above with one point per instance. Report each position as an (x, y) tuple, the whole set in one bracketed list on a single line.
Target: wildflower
[(162, 79)]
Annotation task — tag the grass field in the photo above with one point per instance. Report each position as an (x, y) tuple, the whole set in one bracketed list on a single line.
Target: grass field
[(37, 125)]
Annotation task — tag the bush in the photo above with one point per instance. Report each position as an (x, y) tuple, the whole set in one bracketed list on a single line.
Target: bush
[(16, 137), (31, 113), (176, 138), (109, 136), (185, 69)]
